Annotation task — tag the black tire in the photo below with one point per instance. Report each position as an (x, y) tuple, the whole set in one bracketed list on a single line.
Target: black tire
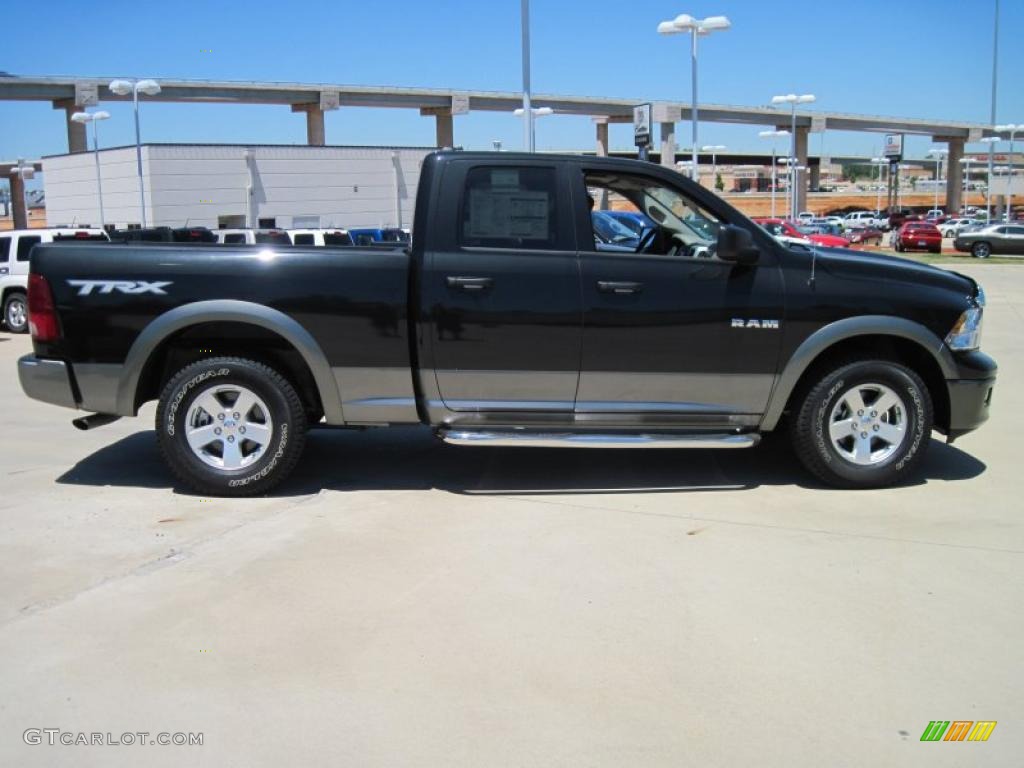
[(980, 250), (898, 247), (16, 312), (809, 430), (276, 460)]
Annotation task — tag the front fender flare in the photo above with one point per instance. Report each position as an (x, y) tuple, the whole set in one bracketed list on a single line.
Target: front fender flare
[(229, 310), (848, 328)]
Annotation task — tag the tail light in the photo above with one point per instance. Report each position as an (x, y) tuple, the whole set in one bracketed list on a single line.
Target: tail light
[(42, 314)]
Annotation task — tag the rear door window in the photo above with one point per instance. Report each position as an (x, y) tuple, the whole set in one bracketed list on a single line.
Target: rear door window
[(306, 239), (508, 207), (25, 243), (235, 238), (337, 238)]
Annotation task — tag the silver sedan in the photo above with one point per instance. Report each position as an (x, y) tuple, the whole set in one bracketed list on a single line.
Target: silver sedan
[(993, 239)]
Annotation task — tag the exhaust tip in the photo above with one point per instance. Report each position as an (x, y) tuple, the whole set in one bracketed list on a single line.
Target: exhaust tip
[(94, 420)]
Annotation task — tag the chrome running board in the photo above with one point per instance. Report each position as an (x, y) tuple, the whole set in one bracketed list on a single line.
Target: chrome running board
[(526, 439)]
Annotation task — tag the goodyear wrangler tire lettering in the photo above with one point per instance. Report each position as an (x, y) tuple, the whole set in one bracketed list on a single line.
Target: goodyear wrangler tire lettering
[(893, 435), (287, 413)]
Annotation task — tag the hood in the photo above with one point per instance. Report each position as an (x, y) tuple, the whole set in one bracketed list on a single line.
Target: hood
[(846, 261)]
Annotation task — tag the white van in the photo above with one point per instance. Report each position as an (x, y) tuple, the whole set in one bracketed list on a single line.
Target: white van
[(320, 237), (15, 247)]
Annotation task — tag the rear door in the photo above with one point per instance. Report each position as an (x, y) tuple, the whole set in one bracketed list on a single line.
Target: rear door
[(501, 289)]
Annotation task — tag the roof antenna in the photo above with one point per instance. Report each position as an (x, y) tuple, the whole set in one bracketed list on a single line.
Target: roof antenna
[(814, 262)]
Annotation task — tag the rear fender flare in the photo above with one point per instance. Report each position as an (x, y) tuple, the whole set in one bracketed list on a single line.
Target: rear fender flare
[(229, 310)]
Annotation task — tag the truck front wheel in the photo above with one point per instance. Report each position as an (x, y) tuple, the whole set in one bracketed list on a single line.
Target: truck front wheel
[(865, 424), (227, 426)]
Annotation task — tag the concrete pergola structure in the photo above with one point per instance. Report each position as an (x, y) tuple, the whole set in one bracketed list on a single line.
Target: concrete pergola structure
[(18, 209), (74, 93)]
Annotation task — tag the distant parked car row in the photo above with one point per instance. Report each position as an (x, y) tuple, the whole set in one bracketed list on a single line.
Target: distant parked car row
[(244, 236)]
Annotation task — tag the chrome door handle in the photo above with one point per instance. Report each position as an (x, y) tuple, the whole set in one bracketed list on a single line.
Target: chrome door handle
[(612, 286), (470, 283)]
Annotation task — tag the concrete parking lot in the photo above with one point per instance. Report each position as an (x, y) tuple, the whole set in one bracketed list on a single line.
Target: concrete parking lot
[(405, 603)]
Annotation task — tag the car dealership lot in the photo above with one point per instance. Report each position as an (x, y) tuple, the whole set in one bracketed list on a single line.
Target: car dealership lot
[(403, 602)]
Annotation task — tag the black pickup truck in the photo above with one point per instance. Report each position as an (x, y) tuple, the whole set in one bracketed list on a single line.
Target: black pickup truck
[(505, 323)]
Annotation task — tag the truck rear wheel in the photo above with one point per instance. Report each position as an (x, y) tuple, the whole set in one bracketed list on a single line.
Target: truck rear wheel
[(227, 426), (865, 424)]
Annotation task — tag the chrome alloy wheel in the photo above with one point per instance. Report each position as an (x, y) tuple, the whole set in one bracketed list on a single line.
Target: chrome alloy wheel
[(16, 314), (868, 424), (228, 427)]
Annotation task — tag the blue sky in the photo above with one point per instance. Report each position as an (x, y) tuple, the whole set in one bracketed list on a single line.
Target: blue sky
[(912, 58)]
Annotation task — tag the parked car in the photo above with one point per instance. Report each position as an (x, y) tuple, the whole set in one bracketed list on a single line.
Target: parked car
[(164, 235), (320, 237), (897, 219), (806, 217), (611, 234), (866, 236), (838, 221), (15, 248), (823, 238), (252, 236), (918, 236), (371, 236), (635, 220), (952, 227), (992, 239), (932, 214), (859, 219), (779, 227), (786, 231), (502, 325)]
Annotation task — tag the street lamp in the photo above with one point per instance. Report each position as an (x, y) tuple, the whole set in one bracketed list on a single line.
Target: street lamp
[(686, 23), (714, 149), (535, 113), (991, 141), (879, 162), (792, 99), (135, 87), (1012, 129), (938, 153), (94, 117), (773, 135)]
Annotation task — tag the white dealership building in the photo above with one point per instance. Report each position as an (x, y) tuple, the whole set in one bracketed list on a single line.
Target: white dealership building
[(220, 185)]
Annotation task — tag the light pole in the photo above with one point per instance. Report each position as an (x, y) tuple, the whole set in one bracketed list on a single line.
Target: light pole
[(992, 115), (773, 135), (527, 113), (792, 99), (991, 141), (878, 162), (1012, 129), (686, 23), (94, 117), (938, 153), (714, 149), (135, 87), (536, 112)]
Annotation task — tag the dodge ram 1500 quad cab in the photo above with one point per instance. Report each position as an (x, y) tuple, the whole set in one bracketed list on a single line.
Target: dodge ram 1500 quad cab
[(506, 323)]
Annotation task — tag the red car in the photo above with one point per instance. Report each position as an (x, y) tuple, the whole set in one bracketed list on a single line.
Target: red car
[(918, 236), (785, 228)]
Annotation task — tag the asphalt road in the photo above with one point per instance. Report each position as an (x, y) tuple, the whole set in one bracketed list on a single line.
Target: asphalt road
[(406, 603)]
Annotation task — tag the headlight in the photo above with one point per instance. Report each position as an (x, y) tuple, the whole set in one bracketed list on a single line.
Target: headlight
[(979, 297), (966, 333)]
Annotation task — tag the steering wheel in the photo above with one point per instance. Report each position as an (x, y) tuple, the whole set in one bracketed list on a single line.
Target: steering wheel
[(645, 240)]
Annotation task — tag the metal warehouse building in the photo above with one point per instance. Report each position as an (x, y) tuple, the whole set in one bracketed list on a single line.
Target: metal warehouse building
[(237, 186)]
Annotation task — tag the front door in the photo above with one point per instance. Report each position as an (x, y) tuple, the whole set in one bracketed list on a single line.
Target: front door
[(673, 335), (501, 289)]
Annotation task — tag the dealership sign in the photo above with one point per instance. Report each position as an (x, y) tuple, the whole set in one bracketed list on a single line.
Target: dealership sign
[(642, 125), (893, 148)]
